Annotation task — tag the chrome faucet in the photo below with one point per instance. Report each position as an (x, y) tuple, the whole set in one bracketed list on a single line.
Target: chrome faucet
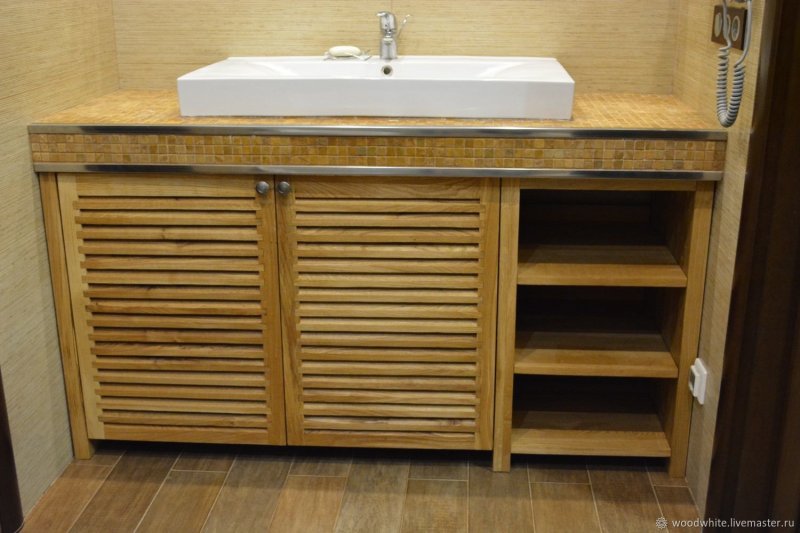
[(390, 33)]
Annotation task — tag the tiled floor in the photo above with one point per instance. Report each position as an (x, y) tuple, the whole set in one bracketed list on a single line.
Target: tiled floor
[(175, 489)]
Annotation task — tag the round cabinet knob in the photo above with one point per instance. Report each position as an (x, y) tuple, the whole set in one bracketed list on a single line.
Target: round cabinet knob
[(262, 187), (284, 187)]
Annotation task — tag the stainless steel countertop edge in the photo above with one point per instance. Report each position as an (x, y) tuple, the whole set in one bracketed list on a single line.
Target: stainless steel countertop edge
[(515, 132), (319, 170)]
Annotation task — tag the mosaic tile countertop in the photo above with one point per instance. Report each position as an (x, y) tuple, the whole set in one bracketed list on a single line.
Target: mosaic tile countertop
[(591, 111), (54, 142)]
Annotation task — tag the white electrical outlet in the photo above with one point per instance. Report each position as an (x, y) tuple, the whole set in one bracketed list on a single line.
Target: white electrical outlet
[(698, 379)]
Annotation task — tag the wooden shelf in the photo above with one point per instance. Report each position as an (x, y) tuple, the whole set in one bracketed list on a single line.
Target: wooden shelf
[(599, 265), (566, 420), (623, 354), (588, 433)]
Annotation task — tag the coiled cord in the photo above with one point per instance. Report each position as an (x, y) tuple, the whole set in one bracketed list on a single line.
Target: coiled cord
[(728, 110)]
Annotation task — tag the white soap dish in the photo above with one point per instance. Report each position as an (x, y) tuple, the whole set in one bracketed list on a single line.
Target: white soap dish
[(346, 52)]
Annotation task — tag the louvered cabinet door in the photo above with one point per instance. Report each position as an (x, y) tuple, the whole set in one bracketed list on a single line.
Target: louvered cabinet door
[(174, 293), (388, 304)]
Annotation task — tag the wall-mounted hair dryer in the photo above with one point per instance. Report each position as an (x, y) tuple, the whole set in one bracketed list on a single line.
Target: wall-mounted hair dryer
[(728, 110)]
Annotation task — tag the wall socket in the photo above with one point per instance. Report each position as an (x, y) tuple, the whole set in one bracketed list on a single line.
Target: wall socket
[(737, 18), (698, 380)]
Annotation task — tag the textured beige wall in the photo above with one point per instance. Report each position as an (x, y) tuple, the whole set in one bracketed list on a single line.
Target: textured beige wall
[(53, 54), (695, 83), (607, 45)]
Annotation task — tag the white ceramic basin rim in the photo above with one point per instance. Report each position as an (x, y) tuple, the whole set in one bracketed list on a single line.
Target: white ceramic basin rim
[(414, 86)]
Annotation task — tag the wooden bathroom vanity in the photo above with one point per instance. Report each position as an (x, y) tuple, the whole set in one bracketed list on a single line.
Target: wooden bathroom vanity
[(516, 286)]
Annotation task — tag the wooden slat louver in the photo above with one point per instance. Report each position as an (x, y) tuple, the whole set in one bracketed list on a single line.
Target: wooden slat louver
[(388, 294), (175, 297)]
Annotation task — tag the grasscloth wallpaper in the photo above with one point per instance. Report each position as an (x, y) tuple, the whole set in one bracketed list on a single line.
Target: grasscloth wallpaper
[(53, 54), (607, 45), (695, 82)]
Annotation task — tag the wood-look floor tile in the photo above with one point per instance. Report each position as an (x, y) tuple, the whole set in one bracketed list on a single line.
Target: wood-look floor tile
[(308, 504), (183, 503), (677, 504), (105, 456), (374, 496), (659, 476), (378, 495), (435, 505), (205, 460), (66, 498), (250, 494), (127, 492), (624, 497), (439, 467), (557, 470), (559, 507), (323, 464), (499, 502)]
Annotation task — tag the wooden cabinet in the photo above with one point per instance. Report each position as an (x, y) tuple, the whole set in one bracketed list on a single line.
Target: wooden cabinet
[(388, 292), (175, 307), (175, 326), (365, 311)]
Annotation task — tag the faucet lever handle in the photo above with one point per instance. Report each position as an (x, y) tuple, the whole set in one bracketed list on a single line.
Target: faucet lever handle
[(403, 24), (388, 22)]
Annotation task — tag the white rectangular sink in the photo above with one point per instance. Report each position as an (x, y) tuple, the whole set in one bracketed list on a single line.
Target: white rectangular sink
[(410, 86)]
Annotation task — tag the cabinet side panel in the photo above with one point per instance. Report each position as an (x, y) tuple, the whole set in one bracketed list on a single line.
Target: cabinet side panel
[(51, 210), (506, 320), (68, 195), (679, 400)]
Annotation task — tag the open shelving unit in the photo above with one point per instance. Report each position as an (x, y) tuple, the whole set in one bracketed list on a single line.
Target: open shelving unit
[(600, 296)]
